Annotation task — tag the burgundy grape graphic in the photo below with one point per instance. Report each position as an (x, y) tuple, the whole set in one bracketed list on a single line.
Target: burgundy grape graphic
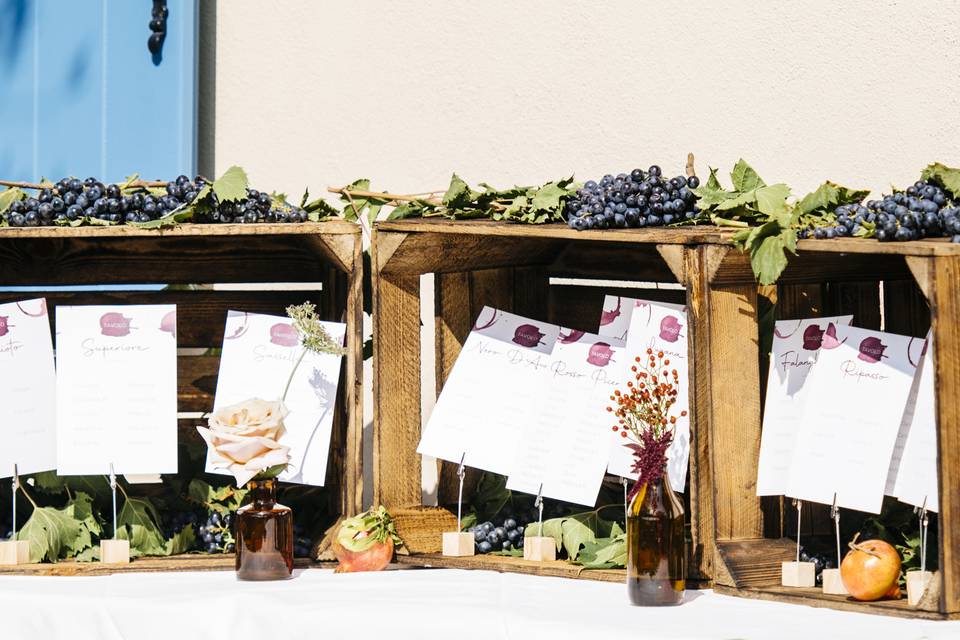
[(829, 338), (571, 337), (871, 350), (169, 323), (527, 335), (480, 327), (115, 325), (39, 314), (607, 317), (812, 337), (600, 354), (284, 335), (670, 329), (4, 325)]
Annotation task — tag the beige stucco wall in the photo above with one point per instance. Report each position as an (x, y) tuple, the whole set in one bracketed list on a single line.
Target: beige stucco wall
[(315, 92)]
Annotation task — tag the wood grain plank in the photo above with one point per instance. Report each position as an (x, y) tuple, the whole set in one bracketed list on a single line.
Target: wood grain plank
[(734, 407), (442, 253), (701, 486), (178, 259), (945, 310), (396, 347)]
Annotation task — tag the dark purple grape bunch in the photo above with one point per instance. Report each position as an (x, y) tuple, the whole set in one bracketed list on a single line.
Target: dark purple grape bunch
[(820, 562), (215, 535), (301, 542), (258, 206), (634, 200), (158, 27), (173, 523), (71, 200), (505, 536)]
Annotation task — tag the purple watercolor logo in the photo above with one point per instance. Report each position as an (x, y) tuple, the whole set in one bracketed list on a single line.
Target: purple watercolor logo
[(4, 325), (571, 337), (871, 350), (284, 335), (607, 317), (39, 314), (600, 354), (527, 335), (169, 323), (812, 337), (115, 325), (829, 338), (670, 329)]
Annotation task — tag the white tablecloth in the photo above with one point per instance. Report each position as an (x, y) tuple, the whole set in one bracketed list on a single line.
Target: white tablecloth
[(419, 604)]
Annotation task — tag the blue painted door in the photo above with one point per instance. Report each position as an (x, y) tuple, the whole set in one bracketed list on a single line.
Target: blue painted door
[(81, 95)]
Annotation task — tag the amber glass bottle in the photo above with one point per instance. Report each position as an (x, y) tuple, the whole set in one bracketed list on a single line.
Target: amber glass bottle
[(656, 551), (264, 535)]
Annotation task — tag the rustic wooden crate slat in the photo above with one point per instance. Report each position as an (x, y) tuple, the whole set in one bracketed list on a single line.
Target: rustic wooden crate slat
[(329, 254), (185, 562), (508, 266), (182, 255), (748, 564)]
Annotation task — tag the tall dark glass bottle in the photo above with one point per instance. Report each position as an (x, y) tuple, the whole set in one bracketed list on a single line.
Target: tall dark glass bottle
[(264, 535), (656, 550)]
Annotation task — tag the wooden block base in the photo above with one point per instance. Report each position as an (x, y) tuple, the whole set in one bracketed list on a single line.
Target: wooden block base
[(917, 582), (539, 549), (833, 584), (115, 551), (14, 552), (458, 544), (798, 574)]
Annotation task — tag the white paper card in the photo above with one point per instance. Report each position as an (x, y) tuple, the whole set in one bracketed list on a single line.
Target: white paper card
[(492, 391), (856, 396), (566, 446), (116, 389), (27, 389), (796, 344), (659, 327), (617, 312), (915, 480), (258, 358)]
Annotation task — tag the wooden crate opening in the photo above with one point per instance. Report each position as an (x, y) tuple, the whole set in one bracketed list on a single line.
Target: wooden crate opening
[(903, 288), (551, 273), (208, 270)]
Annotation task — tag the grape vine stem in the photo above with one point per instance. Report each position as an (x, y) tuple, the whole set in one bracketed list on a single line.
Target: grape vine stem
[(36, 186)]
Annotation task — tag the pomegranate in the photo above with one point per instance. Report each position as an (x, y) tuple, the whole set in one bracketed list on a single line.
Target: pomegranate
[(365, 542), (870, 570)]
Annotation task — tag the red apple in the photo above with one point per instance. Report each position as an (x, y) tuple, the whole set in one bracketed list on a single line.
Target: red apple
[(870, 570)]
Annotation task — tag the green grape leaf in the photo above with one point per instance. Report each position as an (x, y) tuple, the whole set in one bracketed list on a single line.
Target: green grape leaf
[(89, 555), (138, 522), (828, 196), (578, 531), (305, 197), (232, 185), (604, 553), (772, 201), (948, 177), (744, 177), (549, 197), (181, 542), (81, 507), (8, 197), (459, 194), (183, 213), (49, 531)]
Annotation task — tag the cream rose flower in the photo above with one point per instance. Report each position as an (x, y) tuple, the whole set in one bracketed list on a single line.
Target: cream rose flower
[(243, 438)]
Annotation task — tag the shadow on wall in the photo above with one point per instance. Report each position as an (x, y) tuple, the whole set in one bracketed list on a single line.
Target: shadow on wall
[(207, 89), (14, 17)]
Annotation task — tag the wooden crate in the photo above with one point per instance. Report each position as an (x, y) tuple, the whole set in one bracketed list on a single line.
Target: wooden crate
[(905, 288), (510, 266), (265, 258)]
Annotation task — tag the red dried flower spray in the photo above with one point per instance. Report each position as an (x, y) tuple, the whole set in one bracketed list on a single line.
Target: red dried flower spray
[(643, 415)]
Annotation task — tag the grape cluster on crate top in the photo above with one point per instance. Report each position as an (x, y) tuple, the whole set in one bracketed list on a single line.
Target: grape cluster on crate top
[(489, 537), (72, 202), (923, 210), (633, 200)]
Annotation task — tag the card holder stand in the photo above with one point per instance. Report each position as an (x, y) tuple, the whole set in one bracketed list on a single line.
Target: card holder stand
[(114, 551), (539, 548), (13, 551), (459, 543), (798, 574), (831, 579)]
